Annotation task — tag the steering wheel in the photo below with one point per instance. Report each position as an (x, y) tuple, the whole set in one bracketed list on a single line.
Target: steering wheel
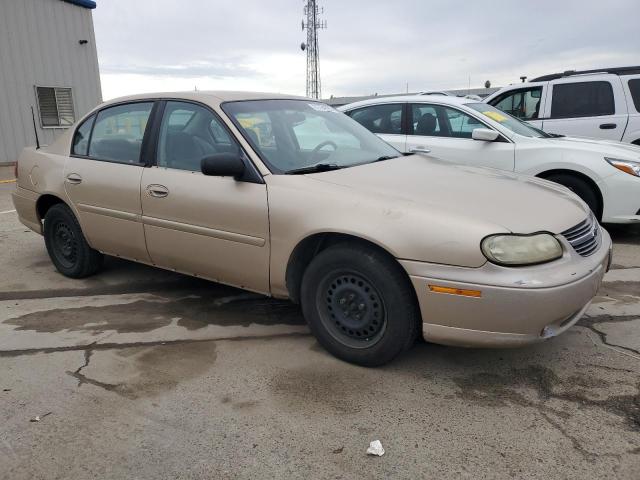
[(320, 146)]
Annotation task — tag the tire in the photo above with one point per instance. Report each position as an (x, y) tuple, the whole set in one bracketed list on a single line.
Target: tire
[(580, 188), (66, 245), (359, 304)]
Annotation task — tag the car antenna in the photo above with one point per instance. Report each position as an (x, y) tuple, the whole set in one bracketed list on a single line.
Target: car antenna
[(35, 129)]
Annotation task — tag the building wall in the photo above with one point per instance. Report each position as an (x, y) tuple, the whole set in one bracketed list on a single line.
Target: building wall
[(39, 45)]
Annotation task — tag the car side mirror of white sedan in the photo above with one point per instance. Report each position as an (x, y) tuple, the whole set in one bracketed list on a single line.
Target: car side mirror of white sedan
[(484, 134)]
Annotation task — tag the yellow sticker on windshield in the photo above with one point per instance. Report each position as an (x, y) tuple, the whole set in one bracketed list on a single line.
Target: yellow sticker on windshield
[(497, 116)]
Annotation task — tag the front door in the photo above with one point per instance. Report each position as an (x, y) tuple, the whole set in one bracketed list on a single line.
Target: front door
[(102, 179), (445, 132), (214, 227)]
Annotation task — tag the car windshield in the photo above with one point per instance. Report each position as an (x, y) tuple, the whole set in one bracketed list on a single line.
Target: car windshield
[(512, 123), (300, 135)]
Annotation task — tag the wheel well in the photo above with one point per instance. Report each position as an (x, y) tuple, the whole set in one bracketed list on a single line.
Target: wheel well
[(636, 142), (44, 203), (308, 248), (585, 178)]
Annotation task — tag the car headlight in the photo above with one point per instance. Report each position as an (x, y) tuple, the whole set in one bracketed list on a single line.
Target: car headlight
[(627, 166), (512, 250)]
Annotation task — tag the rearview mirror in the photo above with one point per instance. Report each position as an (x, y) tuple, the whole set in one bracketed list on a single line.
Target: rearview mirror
[(223, 165), (484, 134)]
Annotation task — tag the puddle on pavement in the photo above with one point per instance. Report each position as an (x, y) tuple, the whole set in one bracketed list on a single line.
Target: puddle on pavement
[(192, 313)]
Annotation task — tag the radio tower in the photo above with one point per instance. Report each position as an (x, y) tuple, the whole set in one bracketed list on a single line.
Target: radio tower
[(313, 24)]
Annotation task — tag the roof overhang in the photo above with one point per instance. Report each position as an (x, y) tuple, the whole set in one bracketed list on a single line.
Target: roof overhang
[(82, 3)]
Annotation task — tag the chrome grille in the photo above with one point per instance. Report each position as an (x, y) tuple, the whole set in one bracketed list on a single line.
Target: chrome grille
[(584, 237)]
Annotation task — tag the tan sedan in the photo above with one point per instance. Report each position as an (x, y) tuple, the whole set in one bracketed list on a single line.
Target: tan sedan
[(288, 197)]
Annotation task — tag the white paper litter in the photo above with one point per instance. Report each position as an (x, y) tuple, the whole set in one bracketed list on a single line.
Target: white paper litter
[(375, 448)]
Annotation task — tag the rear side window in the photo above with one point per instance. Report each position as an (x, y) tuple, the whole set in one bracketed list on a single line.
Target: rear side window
[(81, 137), (523, 103), (380, 118), (582, 99), (634, 87), (118, 132)]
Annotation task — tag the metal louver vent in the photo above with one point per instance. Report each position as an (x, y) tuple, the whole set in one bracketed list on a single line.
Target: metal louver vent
[(55, 105)]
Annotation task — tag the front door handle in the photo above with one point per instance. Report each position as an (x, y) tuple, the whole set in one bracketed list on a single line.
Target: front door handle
[(158, 191), (74, 178), (608, 126), (419, 149)]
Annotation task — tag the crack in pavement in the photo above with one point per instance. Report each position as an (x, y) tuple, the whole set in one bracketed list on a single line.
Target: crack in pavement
[(116, 346), (496, 391), (590, 322)]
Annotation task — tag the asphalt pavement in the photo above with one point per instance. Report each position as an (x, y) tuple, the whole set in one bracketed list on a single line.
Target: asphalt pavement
[(142, 373)]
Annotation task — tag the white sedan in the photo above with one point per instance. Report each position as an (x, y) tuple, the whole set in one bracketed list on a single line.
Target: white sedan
[(605, 174)]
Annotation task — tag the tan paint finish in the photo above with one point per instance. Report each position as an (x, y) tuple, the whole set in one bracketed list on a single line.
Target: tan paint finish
[(108, 205), (210, 226), (429, 215)]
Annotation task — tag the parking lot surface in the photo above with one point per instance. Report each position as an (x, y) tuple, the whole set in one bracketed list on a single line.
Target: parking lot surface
[(142, 373)]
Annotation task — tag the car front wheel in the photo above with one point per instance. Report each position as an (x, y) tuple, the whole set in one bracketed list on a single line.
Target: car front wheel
[(359, 304), (66, 245)]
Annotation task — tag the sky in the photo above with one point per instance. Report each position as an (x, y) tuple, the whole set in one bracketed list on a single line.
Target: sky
[(369, 46)]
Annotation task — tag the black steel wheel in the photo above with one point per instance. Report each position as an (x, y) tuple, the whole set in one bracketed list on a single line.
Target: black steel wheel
[(359, 304), (351, 309), (66, 245)]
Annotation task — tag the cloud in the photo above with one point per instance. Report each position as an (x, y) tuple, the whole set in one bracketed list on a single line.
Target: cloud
[(368, 47)]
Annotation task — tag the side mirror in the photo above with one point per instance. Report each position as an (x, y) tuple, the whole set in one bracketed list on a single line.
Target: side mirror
[(484, 134), (223, 165)]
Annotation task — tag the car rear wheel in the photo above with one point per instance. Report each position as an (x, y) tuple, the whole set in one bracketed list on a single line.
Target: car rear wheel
[(66, 245), (359, 304), (580, 188)]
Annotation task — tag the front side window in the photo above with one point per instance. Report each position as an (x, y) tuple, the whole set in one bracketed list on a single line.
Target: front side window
[(81, 137), (118, 132), (523, 103), (634, 88), (432, 120), (55, 105), (385, 118), (294, 134), (582, 99), (189, 133), (507, 121)]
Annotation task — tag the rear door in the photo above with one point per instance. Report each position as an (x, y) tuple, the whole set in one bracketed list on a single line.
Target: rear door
[(102, 178), (445, 132), (385, 120), (525, 103), (594, 108), (214, 227)]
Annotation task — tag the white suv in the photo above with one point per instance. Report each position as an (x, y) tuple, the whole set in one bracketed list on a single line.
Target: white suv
[(593, 103)]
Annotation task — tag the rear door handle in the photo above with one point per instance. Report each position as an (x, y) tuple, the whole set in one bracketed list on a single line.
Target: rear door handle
[(158, 191), (419, 149), (74, 178), (608, 126)]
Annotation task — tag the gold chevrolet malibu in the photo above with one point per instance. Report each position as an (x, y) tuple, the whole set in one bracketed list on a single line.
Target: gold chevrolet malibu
[(290, 198)]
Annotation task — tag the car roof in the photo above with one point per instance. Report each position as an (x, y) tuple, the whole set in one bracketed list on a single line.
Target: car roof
[(439, 99), (207, 96)]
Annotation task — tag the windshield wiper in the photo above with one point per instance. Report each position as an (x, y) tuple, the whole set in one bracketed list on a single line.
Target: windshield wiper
[(318, 167), (385, 157)]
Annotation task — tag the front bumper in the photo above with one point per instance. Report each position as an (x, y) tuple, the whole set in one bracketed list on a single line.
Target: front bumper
[(621, 193), (517, 306)]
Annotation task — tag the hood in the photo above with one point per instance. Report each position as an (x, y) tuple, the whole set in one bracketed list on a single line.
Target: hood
[(517, 203), (608, 148)]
